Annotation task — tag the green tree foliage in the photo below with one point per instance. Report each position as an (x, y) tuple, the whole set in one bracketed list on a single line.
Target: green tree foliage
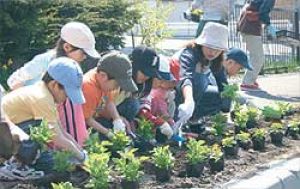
[(29, 27)]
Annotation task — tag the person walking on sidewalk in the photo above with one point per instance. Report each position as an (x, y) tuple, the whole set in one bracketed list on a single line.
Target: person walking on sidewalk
[(254, 14)]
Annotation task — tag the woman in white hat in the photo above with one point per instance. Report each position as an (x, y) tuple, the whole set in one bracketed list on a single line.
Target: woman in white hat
[(197, 91)]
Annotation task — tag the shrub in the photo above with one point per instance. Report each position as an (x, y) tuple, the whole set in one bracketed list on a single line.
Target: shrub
[(243, 137), (216, 153), (259, 133), (219, 124), (65, 185), (241, 119), (252, 114), (270, 112), (61, 161), (230, 91), (276, 128)]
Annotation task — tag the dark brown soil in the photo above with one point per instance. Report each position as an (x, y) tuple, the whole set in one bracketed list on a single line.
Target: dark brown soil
[(244, 165)]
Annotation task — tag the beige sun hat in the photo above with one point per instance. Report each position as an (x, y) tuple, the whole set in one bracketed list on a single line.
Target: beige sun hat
[(214, 35)]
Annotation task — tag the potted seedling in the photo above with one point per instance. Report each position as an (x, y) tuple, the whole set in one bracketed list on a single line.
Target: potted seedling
[(230, 146), (241, 119), (144, 136), (286, 109), (252, 113), (258, 139), (41, 134), (129, 166), (94, 146), (216, 159), (230, 94), (271, 114), (197, 156), (119, 142), (276, 133), (243, 140), (62, 185), (293, 130), (164, 162), (98, 168), (218, 128), (236, 108)]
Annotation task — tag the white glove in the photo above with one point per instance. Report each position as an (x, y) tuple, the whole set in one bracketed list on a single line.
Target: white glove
[(84, 155), (109, 135), (185, 111), (166, 129), (119, 125)]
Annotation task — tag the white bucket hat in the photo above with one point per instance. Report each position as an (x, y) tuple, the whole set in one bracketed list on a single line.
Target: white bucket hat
[(214, 35), (79, 35)]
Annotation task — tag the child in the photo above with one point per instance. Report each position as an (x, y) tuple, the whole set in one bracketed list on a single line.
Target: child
[(76, 42), (155, 107)]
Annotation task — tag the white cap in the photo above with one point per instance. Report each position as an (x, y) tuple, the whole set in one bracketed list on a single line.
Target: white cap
[(214, 35), (79, 35)]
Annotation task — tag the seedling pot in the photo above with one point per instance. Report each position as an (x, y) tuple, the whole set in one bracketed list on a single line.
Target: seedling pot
[(244, 144), (232, 115), (54, 177), (160, 138), (231, 151), (216, 166), (197, 128), (125, 184), (142, 145), (276, 137), (251, 124), (162, 175), (258, 144), (194, 170), (293, 134), (238, 129)]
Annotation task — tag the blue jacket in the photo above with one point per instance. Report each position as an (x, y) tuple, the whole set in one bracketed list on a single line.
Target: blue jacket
[(264, 7)]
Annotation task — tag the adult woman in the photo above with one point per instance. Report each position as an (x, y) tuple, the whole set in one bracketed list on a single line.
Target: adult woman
[(197, 92)]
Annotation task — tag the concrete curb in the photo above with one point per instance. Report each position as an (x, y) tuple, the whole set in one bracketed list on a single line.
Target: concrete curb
[(283, 174)]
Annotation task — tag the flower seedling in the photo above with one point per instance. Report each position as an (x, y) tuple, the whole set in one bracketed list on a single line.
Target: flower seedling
[(276, 133), (241, 119), (98, 168), (258, 138), (230, 146), (62, 161), (230, 91), (41, 134), (252, 117), (284, 108), (271, 113), (216, 160), (164, 162), (197, 151), (119, 142), (129, 165), (293, 129), (64, 185), (94, 146), (145, 129), (219, 124), (243, 140)]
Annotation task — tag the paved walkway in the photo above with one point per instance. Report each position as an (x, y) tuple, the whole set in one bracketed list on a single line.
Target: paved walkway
[(276, 87)]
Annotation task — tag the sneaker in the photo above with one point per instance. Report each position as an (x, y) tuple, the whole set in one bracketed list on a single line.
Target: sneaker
[(249, 87), (12, 171)]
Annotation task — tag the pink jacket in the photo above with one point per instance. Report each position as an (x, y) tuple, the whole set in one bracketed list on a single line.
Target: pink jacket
[(74, 125)]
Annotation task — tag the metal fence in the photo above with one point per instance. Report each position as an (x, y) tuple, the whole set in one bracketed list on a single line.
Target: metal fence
[(277, 54)]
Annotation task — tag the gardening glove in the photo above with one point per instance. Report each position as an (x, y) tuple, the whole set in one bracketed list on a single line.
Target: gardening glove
[(166, 129), (109, 135), (119, 125), (185, 111), (85, 156), (271, 32)]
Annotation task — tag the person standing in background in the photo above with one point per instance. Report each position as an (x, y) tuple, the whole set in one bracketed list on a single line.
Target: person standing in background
[(254, 15)]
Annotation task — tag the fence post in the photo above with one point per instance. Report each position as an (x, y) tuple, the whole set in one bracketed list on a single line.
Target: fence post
[(297, 33)]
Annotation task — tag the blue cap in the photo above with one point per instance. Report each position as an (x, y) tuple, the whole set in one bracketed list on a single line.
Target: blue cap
[(164, 70), (240, 57), (68, 73)]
